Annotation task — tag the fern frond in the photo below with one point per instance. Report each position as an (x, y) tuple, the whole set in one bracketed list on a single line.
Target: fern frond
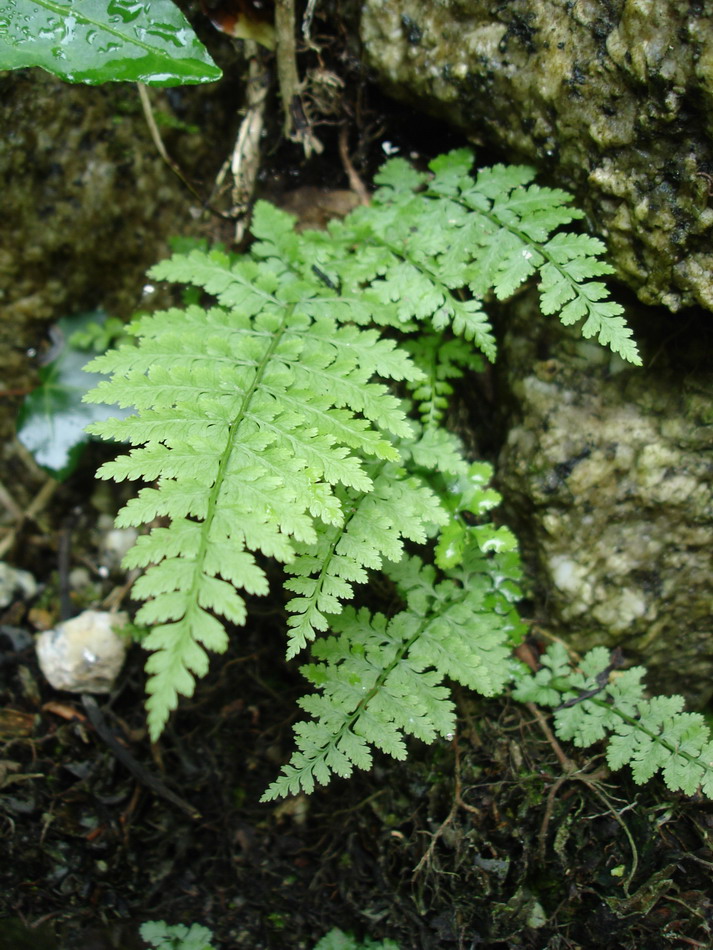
[(399, 507), (650, 735), (440, 361), (247, 417), (266, 426), (430, 251), (510, 235), (380, 680)]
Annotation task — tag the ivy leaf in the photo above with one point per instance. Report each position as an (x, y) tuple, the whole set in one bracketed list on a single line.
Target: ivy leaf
[(97, 41), (52, 418), (451, 543)]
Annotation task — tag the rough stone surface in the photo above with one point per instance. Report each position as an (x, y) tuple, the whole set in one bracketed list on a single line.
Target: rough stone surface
[(83, 655), (612, 99), (607, 472), (87, 202)]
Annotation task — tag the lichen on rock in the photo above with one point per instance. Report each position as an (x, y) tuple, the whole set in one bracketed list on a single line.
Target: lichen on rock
[(607, 474)]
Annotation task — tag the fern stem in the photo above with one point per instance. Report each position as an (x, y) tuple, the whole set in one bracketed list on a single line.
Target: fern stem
[(230, 445)]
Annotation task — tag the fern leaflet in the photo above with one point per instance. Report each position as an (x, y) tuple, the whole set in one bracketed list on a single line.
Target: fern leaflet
[(381, 679), (649, 735), (510, 236)]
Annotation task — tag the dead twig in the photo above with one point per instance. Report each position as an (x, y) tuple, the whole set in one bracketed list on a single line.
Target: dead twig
[(29, 514), (592, 779), (567, 764), (114, 598), (161, 149), (297, 125), (355, 182), (244, 162), (457, 803), (9, 503), (126, 758)]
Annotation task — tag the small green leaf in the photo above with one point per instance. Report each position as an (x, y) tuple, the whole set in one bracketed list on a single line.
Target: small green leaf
[(338, 940), (98, 41), (52, 419), (449, 550), (165, 936)]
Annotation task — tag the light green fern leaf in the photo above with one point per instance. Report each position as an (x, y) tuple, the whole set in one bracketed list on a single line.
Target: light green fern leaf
[(399, 507), (247, 420), (369, 695), (649, 735), (380, 680), (270, 425), (512, 229)]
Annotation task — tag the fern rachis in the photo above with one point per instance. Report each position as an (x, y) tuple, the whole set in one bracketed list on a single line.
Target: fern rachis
[(240, 469)]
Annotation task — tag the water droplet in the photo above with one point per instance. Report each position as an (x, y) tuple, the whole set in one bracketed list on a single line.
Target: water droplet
[(126, 10), (165, 32)]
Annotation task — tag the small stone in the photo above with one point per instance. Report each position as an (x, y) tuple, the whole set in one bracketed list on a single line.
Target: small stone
[(15, 583), (84, 654), (114, 545), (113, 542), (79, 578)]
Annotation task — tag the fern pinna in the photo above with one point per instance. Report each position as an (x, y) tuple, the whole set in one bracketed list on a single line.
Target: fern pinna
[(596, 701), (278, 423)]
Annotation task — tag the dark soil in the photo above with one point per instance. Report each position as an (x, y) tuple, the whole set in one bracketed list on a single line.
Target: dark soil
[(481, 842)]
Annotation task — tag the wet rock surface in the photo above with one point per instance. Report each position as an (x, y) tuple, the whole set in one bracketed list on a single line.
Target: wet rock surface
[(88, 203), (612, 99), (607, 474)]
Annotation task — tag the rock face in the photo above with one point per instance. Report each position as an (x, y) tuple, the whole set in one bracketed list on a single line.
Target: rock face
[(612, 99), (88, 203), (86, 197), (608, 471)]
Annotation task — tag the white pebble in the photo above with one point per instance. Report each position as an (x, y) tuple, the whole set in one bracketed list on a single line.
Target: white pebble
[(84, 654)]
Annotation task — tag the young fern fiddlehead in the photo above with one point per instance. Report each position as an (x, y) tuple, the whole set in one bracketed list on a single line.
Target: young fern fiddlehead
[(269, 428)]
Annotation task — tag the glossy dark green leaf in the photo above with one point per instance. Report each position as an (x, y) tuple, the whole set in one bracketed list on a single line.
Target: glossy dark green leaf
[(95, 41), (52, 418)]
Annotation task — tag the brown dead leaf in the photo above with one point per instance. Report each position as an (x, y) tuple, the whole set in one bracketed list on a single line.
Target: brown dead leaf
[(15, 724)]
